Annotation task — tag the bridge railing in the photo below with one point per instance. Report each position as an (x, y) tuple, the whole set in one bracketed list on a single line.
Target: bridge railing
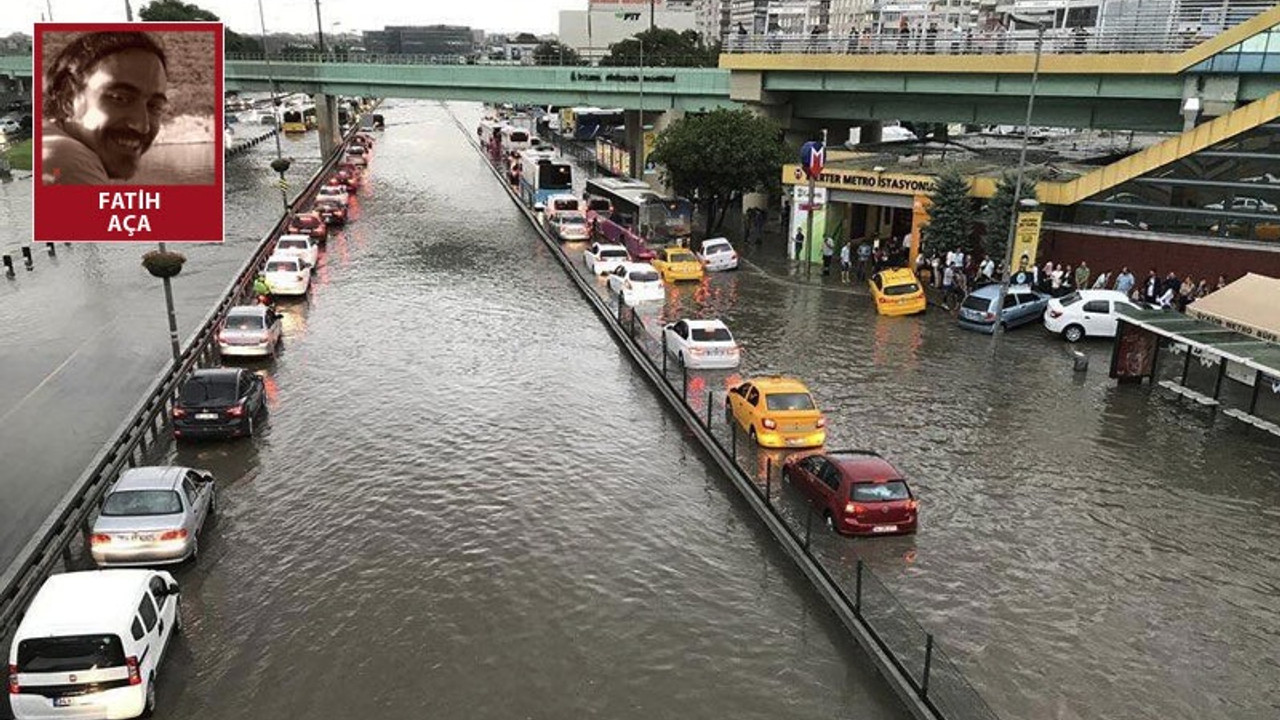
[(669, 61), (1143, 31)]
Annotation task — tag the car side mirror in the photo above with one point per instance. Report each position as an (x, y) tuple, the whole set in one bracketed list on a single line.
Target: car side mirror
[(173, 589)]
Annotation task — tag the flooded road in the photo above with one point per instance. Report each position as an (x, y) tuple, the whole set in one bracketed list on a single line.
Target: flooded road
[(1085, 551), (466, 504)]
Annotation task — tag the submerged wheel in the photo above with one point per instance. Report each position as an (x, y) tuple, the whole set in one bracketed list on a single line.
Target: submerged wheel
[(149, 708), (248, 426), (752, 435), (1073, 333)]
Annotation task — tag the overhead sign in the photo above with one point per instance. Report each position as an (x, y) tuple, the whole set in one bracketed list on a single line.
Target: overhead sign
[(864, 180), (129, 120), (813, 156)]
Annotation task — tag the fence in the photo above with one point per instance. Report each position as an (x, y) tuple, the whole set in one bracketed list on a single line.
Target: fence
[(930, 684), (53, 544)]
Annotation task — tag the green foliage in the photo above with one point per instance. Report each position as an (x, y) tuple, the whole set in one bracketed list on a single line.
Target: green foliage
[(19, 155), (662, 48), (553, 52), (719, 154), (995, 217), (234, 42), (163, 264), (950, 216), (174, 11)]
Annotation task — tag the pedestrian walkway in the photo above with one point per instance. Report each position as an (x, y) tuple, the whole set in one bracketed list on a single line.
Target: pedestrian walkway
[(768, 256)]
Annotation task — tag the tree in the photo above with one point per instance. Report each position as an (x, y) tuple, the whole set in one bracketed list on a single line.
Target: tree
[(995, 217), (662, 48), (720, 154), (178, 11), (553, 52), (950, 215)]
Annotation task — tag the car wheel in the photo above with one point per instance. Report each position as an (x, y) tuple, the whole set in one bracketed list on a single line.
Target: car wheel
[(752, 435), (149, 706), (195, 550), (247, 427), (680, 359), (213, 505), (1073, 333), (177, 618)]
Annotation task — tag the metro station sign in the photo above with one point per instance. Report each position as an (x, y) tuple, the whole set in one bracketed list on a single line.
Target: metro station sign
[(863, 180)]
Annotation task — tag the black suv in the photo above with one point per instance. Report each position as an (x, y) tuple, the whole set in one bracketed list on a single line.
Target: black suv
[(218, 402)]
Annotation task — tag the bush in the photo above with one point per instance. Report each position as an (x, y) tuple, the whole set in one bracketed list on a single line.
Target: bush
[(163, 264)]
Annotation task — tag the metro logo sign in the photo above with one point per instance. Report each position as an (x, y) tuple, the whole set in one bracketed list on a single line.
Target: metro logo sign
[(813, 157)]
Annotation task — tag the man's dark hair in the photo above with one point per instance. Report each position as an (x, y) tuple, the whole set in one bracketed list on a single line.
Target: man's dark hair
[(65, 78)]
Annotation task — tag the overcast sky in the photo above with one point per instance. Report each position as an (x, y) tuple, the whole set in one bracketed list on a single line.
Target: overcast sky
[(537, 16)]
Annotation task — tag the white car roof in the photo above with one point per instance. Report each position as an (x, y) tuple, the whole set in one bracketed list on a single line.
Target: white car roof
[(631, 266), (80, 603), (712, 324), (303, 238), (716, 241), (1103, 295), (564, 196), (284, 258)]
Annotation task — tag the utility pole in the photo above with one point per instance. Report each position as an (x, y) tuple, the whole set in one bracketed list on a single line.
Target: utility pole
[(1017, 192), (652, 25), (128, 11), (319, 29)]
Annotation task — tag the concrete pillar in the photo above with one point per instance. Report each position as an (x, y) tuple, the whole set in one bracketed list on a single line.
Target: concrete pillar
[(658, 125), (634, 121), (327, 123), (870, 132)]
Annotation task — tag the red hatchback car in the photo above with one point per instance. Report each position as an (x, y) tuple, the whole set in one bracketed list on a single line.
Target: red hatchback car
[(308, 223), (860, 493)]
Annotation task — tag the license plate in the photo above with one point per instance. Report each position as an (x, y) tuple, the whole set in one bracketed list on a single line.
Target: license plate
[(793, 441), (206, 416), (68, 701), (144, 537), (884, 528)]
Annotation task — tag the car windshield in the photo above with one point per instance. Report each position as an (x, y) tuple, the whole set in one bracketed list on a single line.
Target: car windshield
[(880, 492), (572, 220), (560, 205), (197, 392), (975, 302), (681, 257), (789, 401), (282, 266), (1069, 300), (643, 276), (142, 502), (598, 205), (713, 249), (292, 244), (711, 335), (616, 253), (306, 221), (74, 653), (244, 322), (902, 289), (331, 190)]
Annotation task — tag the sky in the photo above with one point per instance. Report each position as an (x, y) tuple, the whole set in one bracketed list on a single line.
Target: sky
[(536, 16)]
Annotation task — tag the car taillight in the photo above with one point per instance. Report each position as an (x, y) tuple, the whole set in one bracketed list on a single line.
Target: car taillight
[(179, 412), (989, 316), (99, 539), (882, 300), (769, 423), (822, 422), (913, 504), (179, 534), (135, 678), (853, 509), (14, 688), (235, 411), (1055, 313)]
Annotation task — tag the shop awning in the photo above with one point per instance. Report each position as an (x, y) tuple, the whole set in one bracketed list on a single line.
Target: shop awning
[(1250, 305), (1212, 337)]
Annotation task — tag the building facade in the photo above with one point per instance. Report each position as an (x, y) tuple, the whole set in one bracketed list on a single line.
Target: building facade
[(779, 16), (592, 31), (713, 19), (433, 40)]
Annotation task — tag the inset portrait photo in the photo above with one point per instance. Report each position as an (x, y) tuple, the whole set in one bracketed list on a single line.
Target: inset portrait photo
[(131, 107)]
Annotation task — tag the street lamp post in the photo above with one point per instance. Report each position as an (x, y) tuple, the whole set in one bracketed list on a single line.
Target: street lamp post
[(808, 236), (280, 164), (1017, 189), (173, 316)]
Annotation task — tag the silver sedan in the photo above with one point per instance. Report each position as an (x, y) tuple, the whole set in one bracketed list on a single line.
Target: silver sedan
[(250, 331), (153, 516)]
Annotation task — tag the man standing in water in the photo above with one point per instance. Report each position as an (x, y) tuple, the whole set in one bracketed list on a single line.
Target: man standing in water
[(104, 98)]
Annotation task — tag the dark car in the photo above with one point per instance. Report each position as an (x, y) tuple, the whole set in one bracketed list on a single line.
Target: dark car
[(331, 212), (858, 492), (218, 402), (308, 223)]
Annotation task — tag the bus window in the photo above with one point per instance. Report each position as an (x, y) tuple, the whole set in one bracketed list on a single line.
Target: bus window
[(555, 176)]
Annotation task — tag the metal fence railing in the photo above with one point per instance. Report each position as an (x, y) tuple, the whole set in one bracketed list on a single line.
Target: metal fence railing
[(1141, 31), (54, 545), (913, 662)]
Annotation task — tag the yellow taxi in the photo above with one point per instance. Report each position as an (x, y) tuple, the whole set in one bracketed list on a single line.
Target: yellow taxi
[(896, 291), (677, 263), (776, 412)]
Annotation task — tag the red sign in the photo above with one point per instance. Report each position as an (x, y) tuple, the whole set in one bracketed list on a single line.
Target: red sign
[(129, 132)]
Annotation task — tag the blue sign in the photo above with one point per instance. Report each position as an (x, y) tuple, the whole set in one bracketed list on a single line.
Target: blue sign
[(813, 156)]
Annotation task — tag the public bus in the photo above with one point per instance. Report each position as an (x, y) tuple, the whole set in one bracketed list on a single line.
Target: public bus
[(639, 217), (292, 121), (542, 176), (515, 138)]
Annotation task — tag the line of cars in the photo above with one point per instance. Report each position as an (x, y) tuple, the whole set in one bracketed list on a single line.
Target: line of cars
[(1075, 316), (90, 643)]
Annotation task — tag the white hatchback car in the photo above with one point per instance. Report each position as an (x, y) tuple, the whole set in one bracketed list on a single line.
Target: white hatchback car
[(717, 254), (303, 246), (604, 258), (1085, 313), (90, 645), (287, 275), (702, 344), (637, 283)]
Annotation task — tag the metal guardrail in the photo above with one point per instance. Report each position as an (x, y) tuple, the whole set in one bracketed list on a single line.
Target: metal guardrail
[(668, 61), (925, 679), (69, 522), (1143, 31)]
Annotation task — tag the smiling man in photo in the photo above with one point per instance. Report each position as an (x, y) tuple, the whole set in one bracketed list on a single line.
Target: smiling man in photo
[(104, 98)]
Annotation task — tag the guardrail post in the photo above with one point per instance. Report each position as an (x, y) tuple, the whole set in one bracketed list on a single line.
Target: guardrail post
[(26, 257), (619, 307), (768, 481), (710, 397), (733, 439), (8, 265), (857, 590), (928, 662), (684, 383), (664, 354), (808, 526), (633, 323), (53, 249), (66, 555)]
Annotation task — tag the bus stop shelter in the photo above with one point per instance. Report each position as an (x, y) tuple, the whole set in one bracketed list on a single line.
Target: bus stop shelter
[(1226, 357)]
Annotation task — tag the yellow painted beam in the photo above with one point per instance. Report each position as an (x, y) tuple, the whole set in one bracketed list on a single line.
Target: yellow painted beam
[(1052, 63)]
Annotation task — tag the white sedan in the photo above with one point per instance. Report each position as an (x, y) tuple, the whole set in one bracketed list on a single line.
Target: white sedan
[(302, 246), (604, 258), (287, 275), (702, 344), (717, 254), (1085, 313), (636, 283), (337, 193)]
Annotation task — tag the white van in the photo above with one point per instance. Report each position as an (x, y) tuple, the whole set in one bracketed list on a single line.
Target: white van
[(89, 645), (515, 138)]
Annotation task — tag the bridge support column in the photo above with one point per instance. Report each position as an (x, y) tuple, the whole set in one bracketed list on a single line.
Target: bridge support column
[(327, 123), (634, 121), (657, 125)]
